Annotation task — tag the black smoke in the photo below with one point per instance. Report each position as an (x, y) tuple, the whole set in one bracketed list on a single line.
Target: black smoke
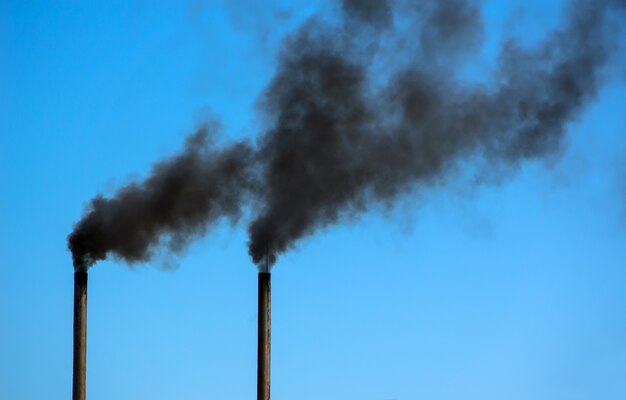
[(342, 142), (362, 110), (180, 199)]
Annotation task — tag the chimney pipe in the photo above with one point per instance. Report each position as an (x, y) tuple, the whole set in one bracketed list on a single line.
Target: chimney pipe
[(80, 335), (263, 366)]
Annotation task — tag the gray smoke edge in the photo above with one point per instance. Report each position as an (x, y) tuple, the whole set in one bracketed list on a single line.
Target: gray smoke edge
[(341, 139)]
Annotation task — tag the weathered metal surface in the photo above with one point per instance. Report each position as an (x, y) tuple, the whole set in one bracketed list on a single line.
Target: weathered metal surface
[(264, 349), (80, 336)]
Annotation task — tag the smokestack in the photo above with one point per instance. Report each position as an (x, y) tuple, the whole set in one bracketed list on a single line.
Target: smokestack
[(263, 367), (80, 335)]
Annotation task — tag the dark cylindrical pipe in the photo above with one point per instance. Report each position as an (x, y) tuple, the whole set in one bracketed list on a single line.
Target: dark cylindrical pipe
[(263, 366), (80, 336)]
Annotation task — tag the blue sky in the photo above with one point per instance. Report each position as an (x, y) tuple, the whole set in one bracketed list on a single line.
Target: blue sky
[(513, 290)]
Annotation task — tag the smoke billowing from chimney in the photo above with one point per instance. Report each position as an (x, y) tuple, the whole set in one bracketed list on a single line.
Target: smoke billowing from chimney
[(360, 112), (181, 198), (342, 140)]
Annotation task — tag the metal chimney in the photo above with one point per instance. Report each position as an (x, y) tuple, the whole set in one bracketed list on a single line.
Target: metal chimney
[(80, 335), (263, 366)]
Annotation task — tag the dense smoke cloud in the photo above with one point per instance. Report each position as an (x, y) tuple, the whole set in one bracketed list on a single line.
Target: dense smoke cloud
[(342, 136), (180, 199), (341, 143)]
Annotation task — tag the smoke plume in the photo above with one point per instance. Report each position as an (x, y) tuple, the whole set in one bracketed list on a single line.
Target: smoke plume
[(181, 198), (342, 142), (361, 111)]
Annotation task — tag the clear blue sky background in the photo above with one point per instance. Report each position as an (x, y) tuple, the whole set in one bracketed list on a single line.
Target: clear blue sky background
[(509, 291)]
